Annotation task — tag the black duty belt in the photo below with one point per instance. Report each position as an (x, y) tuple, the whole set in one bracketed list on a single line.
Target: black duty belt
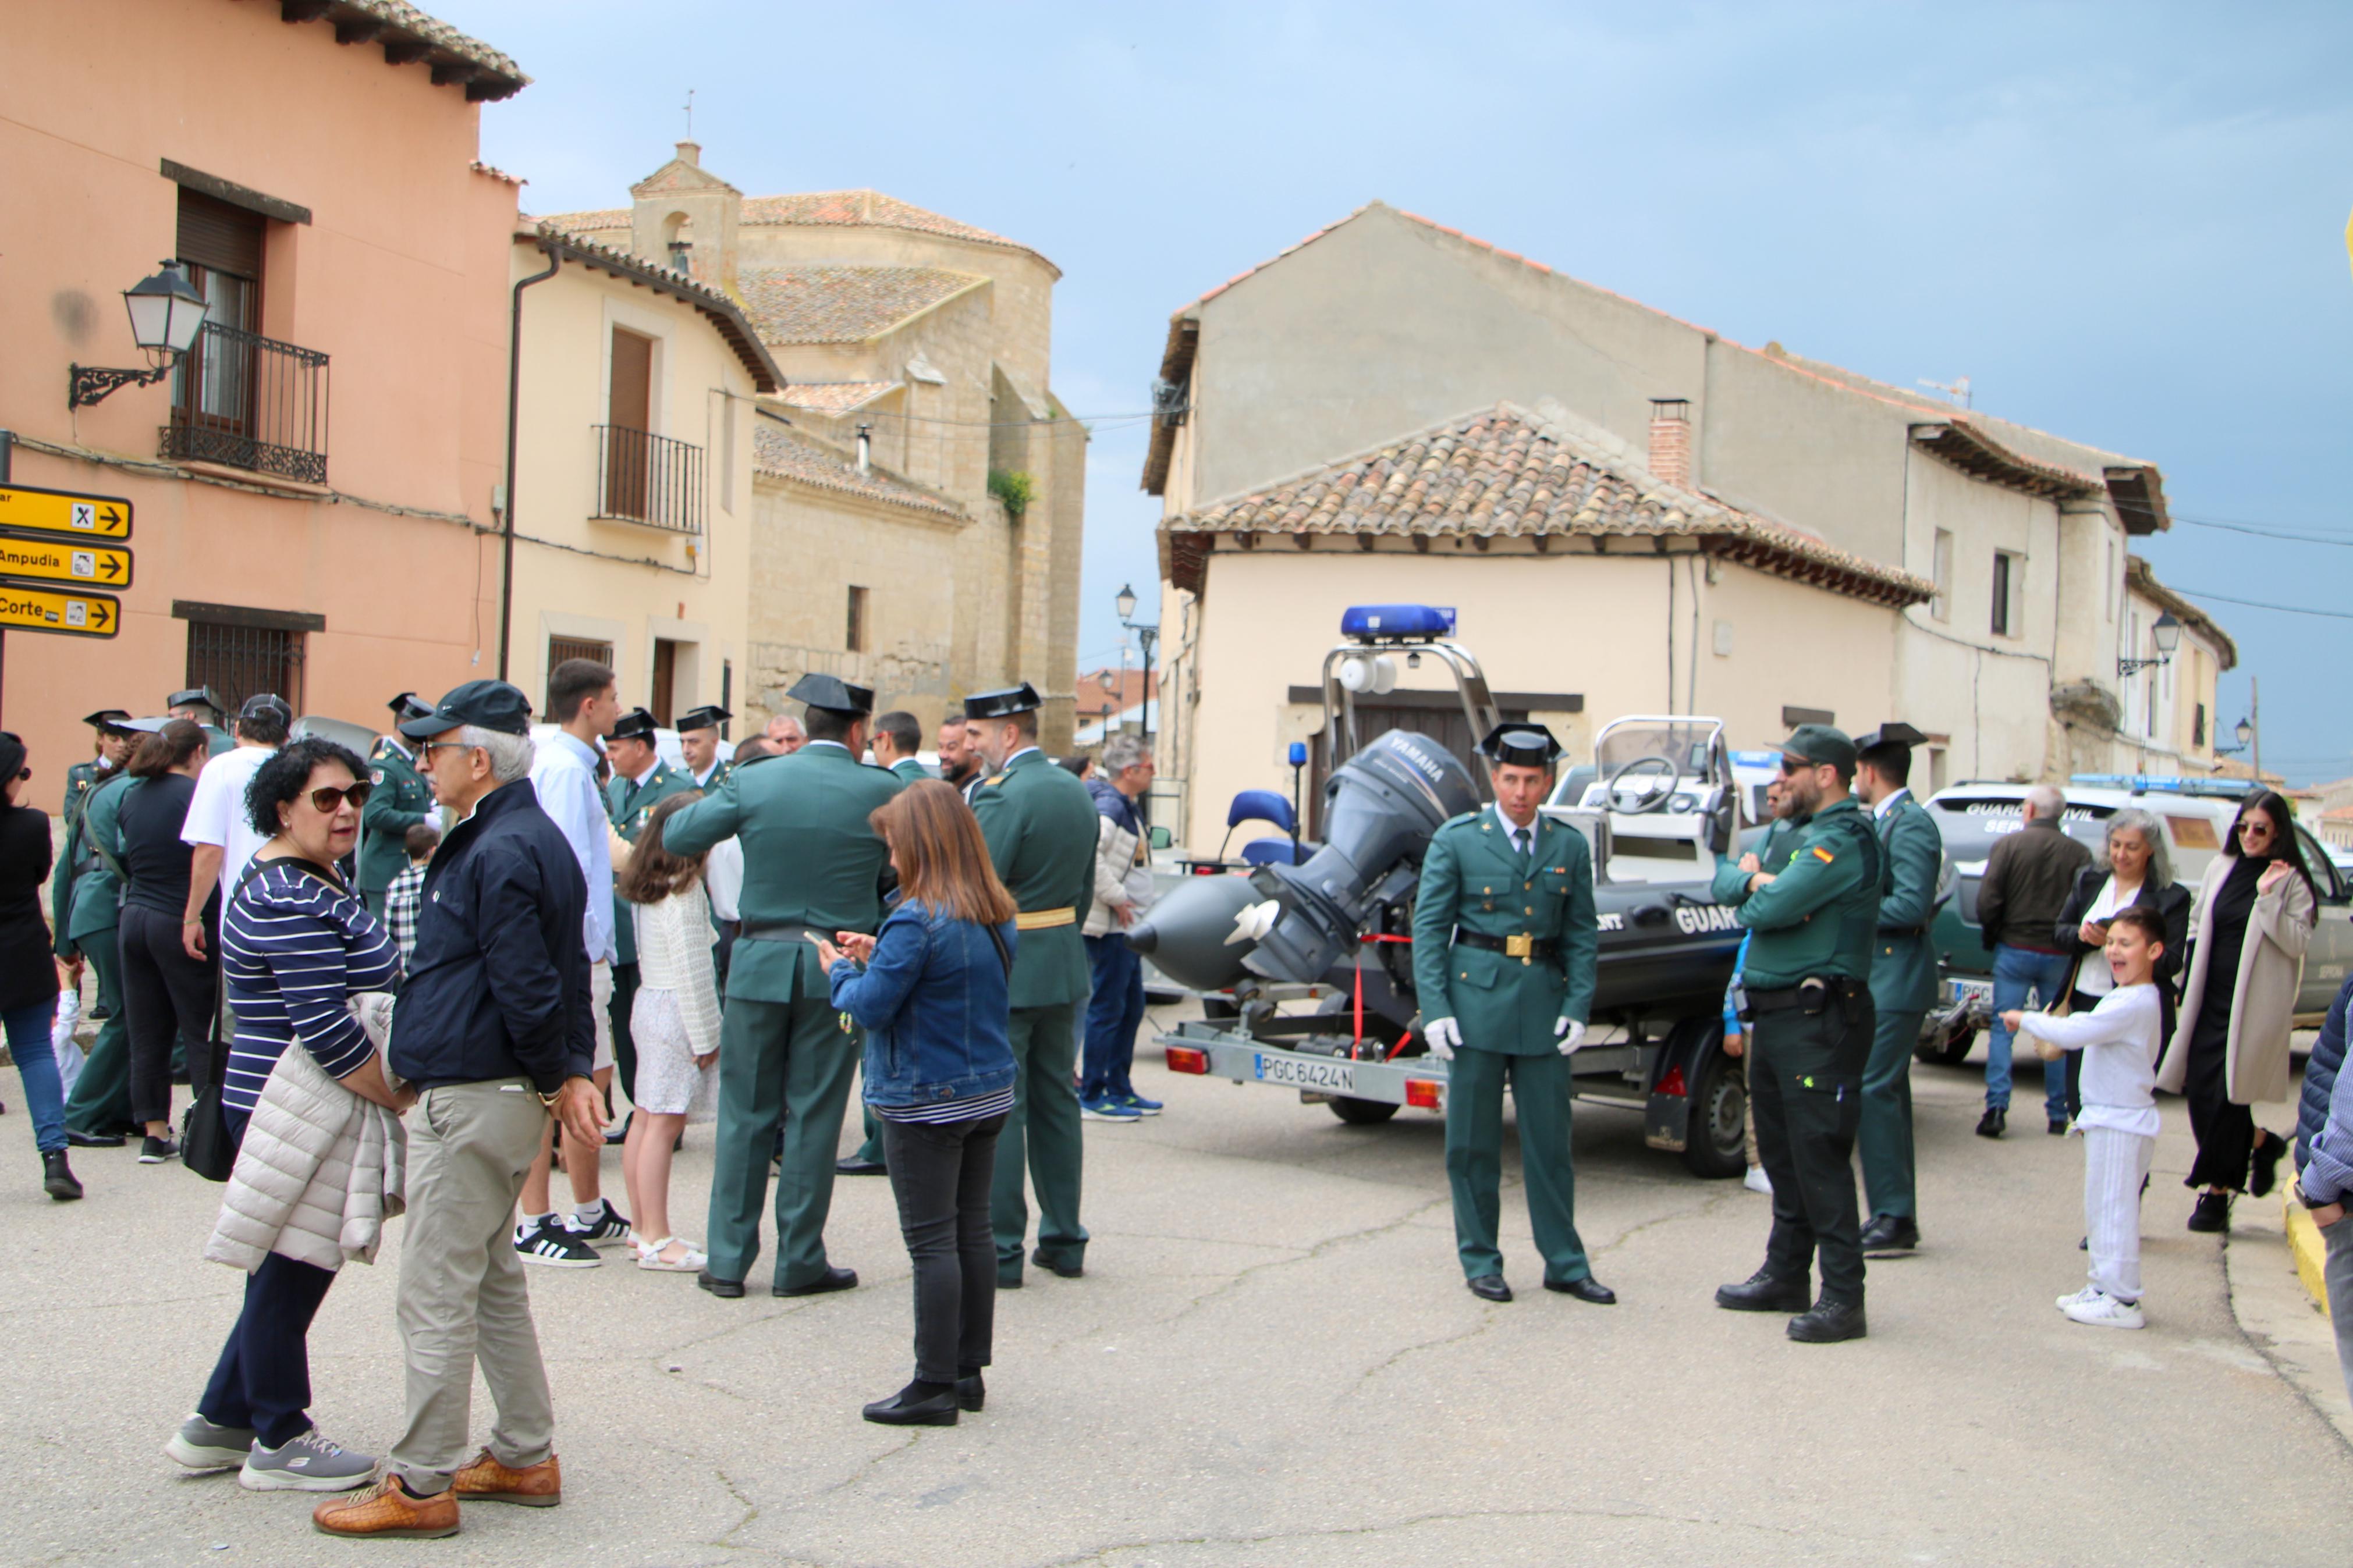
[(1525, 948), (779, 931), (1811, 994), (1903, 930)]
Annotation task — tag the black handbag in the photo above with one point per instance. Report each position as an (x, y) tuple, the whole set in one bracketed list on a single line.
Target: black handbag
[(205, 1146)]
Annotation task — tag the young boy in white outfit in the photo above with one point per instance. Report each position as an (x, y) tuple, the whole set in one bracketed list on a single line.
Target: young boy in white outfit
[(2119, 1041)]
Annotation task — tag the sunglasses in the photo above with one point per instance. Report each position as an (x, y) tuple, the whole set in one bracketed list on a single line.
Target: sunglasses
[(2255, 827), (326, 799), (1791, 765)]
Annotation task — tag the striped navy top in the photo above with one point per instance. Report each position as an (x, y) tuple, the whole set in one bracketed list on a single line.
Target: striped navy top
[(294, 951), (954, 1111)]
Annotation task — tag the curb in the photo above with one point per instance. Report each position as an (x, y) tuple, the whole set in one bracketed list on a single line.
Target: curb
[(2311, 1252)]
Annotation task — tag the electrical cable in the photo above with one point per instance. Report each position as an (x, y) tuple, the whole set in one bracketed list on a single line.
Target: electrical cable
[(2260, 604)]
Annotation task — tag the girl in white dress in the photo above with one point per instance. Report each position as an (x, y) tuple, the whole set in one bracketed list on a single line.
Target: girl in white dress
[(675, 1021)]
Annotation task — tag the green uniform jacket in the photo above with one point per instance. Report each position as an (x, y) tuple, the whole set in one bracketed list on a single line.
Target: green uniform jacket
[(1819, 915), (1040, 822), (719, 772), (217, 740), (84, 896), (1471, 880), (400, 800), (1902, 962), (909, 770), (810, 858), (629, 804)]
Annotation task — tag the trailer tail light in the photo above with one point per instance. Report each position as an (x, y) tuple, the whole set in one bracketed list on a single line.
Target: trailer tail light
[(1185, 1058), (1674, 1084), (1424, 1092)]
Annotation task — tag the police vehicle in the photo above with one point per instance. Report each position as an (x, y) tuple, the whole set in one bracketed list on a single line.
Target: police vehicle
[(1305, 964)]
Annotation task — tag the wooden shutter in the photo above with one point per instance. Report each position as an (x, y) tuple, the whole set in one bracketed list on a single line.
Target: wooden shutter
[(220, 236), (633, 372)]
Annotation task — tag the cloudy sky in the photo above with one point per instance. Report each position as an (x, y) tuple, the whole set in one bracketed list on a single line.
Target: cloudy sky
[(2123, 223)]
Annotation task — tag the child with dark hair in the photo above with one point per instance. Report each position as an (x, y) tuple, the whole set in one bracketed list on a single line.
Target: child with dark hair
[(675, 1021), (404, 899), (2119, 1122)]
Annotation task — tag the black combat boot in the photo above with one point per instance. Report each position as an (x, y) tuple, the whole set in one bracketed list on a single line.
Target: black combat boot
[(1831, 1320)]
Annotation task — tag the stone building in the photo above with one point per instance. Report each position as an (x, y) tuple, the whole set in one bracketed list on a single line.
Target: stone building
[(918, 492)]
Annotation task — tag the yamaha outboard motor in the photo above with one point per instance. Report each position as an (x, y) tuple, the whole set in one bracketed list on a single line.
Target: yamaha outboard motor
[(1379, 810)]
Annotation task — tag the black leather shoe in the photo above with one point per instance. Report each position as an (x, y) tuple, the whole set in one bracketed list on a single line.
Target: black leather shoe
[(830, 1280), (940, 1410), (2266, 1165), (1765, 1291), (2058, 1127), (971, 1393), (93, 1140), (1066, 1270), (1890, 1236), (2212, 1214), (851, 1165), (1491, 1288), (1829, 1321), (1991, 1124), (726, 1290), (1586, 1289)]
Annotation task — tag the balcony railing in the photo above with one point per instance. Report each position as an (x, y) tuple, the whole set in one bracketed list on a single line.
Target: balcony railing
[(649, 478), (250, 402)]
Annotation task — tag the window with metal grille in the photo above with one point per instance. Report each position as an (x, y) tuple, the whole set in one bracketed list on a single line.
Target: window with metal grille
[(561, 649), (239, 661)]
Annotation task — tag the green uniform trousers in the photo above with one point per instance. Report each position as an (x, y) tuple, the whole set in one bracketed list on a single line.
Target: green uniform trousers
[(871, 1150), (376, 899), (100, 1101), (788, 1059), (1475, 1158), (625, 1045), (1806, 1080), (1886, 1135), (1042, 1129)]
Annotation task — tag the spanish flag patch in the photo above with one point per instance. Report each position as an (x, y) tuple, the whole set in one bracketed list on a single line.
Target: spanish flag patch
[(1824, 856)]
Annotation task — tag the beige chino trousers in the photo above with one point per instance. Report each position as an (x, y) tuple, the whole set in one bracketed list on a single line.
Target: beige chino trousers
[(462, 1295)]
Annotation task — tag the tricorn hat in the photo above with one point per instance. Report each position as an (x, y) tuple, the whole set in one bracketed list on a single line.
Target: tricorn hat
[(107, 719), (833, 694), (195, 695), (1003, 704), (1894, 733), (408, 705), (636, 724), (710, 715), (1521, 744)]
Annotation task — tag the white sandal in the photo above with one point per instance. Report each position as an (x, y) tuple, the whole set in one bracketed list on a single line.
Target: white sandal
[(650, 1258)]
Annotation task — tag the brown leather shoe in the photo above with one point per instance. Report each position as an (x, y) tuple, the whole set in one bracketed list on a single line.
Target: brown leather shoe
[(386, 1511), (486, 1480)]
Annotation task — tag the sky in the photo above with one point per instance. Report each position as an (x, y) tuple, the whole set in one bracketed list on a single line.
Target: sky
[(2124, 224)]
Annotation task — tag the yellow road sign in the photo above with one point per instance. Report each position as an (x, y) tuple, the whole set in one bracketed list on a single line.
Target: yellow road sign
[(68, 512), (51, 610), (64, 561)]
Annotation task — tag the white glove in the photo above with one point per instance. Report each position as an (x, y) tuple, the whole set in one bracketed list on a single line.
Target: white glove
[(1443, 1034), (1571, 1034)]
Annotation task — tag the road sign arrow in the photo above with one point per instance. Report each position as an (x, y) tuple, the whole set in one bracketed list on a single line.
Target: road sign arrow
[(111, 518), (112, 566), (100, 614)]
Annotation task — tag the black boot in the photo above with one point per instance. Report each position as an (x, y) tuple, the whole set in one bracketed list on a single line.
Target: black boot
[(1765, 1291), (1991, 1124), (1831, 1320), (918, 1404), (2212, 1214), (2266, 1163), (58, 1178)]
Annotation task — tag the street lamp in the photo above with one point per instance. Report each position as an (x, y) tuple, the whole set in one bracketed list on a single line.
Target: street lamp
[(2167, 635), (1146, 635), (165, 313), (2246, 734)]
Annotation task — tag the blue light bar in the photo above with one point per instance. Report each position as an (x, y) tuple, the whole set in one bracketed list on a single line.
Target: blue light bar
[(2168, 783), (1386, 623)]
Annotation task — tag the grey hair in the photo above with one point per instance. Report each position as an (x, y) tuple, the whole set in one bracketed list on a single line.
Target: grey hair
[(1122, 752), (510, 755), (2152, 833), (2046, 800)]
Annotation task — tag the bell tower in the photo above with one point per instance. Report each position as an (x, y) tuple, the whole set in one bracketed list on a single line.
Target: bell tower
[(684, 217)]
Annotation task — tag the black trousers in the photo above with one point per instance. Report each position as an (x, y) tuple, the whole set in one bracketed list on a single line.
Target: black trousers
[(2225, 1131), (167, 995), (262, 1380), (1805, 1079), (625, 1045), (941, 1173)]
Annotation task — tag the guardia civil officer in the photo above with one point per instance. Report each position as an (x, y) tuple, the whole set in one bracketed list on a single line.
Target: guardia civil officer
[(640, 782), (697, 737), (400, 801), (1809, 1032), (813, 866), (111, 748), (85, 898), (1505, 943), (1903, 981), (202, 706), (1039, 823)]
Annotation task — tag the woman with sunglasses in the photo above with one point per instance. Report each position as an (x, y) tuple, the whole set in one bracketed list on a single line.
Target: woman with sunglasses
[(296, 945), (28, 977), (2229, 1049)]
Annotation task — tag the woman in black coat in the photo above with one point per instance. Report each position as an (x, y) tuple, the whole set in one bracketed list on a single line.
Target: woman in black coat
[(2133, 869), (28, 975)]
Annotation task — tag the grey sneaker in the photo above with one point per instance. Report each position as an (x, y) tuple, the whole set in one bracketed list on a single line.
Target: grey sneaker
[(201, 1446), (306, 1464)]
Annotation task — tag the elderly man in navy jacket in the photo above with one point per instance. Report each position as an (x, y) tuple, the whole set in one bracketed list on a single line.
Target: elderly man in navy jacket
[(494, 1032)]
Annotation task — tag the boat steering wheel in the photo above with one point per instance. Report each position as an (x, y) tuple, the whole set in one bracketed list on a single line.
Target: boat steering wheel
[(1653, 798)]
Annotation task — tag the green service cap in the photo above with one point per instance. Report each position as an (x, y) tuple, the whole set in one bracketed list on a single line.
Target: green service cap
[(1820, 744)]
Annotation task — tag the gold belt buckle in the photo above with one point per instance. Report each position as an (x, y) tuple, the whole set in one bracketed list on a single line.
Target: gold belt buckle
[(1521, 945)]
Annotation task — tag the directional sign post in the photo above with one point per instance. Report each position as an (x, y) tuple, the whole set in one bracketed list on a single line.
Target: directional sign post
[(64, 561), (27, 510), (63, 612)]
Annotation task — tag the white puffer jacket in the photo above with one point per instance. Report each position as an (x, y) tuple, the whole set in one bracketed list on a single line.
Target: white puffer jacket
[(319, 1172)]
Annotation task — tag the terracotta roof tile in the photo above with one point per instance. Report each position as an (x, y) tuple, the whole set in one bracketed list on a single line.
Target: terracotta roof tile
[(590, 222), (780, 450), (834, 396), (723, 312), (843, 304), (1504, 473), (869, 209), (405, 34)]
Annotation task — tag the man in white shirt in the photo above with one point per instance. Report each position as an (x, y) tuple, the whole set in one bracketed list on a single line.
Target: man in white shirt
[(584, 701), (217, 827)]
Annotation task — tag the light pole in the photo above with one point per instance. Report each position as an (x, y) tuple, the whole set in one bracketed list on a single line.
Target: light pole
[(1145, 636)]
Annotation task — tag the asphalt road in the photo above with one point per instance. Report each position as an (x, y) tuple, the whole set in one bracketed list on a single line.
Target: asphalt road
[(1271, 1359)]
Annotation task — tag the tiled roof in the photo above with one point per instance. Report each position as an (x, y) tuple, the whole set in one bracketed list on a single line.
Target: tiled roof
[(2141, 578), (869, 209), (723, 312), (844, 304), (1503, 473), (495, 172), (407, 34), (780, 450), (590, 222), (834, 396)]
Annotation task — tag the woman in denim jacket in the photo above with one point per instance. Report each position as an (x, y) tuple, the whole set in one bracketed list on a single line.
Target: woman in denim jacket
[(930, 990)]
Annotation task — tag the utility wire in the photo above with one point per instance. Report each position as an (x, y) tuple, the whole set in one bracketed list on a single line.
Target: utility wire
[(2342, 541), (2260, 604)]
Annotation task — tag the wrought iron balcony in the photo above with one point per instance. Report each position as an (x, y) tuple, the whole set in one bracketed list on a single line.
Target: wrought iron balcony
[(648, 479), (250, 402)]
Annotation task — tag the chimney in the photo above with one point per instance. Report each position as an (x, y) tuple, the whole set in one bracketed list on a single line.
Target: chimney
[(1671, 441), (866, 448), (690, 153)]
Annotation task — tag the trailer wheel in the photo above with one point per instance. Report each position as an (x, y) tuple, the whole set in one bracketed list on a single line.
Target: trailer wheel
[(1361, 1112), (1716, 1145), (1951, 1048)]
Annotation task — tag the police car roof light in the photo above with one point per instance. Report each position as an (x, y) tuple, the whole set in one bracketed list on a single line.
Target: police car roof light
[(2168, 784), (1396, 623)]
